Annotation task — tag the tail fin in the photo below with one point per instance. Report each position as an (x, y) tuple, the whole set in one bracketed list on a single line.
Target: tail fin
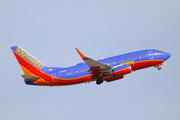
[(28, 63)]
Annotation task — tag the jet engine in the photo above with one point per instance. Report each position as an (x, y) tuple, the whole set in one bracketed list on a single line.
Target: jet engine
[(118, 72), (122, 70)]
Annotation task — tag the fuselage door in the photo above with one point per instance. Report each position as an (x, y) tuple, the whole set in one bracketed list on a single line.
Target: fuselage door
[(54, 79), (150, 55)]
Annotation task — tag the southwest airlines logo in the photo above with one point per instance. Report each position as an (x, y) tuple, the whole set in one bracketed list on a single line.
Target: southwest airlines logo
[(29, 58)]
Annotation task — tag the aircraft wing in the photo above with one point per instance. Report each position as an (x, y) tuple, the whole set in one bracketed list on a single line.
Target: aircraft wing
[(95, 66)]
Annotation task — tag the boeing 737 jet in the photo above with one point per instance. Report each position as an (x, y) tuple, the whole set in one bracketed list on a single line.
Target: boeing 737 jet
[(107, 69)]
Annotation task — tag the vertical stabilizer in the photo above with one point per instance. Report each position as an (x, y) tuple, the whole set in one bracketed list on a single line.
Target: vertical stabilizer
[(29, 64)]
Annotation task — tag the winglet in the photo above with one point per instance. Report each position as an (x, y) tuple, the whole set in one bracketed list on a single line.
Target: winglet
[(81, 54)]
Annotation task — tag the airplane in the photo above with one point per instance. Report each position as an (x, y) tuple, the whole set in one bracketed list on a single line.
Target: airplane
[(106, 69)]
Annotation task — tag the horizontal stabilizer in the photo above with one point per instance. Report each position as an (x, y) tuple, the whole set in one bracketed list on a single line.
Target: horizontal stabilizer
[(30, 77)]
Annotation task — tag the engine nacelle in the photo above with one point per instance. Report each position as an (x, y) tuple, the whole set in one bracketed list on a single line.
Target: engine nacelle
[(122, 70), (118, 72)]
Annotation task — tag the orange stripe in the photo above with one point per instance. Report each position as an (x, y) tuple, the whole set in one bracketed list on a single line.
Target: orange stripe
[(43, 82), (40, 81), (27, 72)]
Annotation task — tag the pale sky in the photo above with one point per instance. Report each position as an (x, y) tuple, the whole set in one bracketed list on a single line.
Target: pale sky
[(51, 30)]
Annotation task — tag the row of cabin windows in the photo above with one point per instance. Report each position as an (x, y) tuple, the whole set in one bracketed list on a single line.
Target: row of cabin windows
[(112, 63), (74, 72), (134, 58), (107, 64), (128, 59)]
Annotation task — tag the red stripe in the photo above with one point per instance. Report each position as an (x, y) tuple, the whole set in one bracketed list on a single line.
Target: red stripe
[(27, 65), (145, 64)]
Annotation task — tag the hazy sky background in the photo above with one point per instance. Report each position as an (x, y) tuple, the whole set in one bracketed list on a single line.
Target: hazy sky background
[(50, 31)]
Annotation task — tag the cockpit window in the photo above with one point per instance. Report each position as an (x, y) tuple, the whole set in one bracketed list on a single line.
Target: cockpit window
[(159, 51)]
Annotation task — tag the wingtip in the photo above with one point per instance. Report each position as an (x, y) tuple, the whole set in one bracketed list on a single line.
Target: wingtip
[(81, 54)]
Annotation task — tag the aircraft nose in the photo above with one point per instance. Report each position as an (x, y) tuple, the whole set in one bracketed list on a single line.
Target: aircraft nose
[(167, 55)]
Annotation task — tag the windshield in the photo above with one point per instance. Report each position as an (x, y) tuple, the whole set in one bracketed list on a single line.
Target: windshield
[(159, 51)]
